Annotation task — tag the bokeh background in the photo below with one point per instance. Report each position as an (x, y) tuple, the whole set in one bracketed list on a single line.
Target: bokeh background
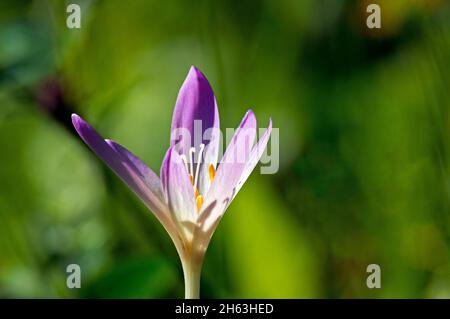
[(364, 146)]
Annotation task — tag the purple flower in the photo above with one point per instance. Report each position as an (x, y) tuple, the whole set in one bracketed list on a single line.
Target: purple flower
[(193, 190)]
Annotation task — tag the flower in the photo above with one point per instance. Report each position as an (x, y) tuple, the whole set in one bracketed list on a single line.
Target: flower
[(192, 193)]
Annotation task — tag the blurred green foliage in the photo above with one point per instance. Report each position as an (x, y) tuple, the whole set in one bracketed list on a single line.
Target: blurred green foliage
[(364, 146)]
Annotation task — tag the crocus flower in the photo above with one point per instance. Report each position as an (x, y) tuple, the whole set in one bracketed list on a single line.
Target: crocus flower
[(193, 190)]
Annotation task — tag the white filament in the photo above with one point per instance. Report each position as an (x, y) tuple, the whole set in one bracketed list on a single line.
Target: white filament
[(199, 159), (191, 160)]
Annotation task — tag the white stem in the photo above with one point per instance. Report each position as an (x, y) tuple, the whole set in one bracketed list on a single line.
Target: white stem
[(192, 271)]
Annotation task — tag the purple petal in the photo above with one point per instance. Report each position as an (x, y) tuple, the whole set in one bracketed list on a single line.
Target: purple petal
[(149, 177), (232, 165), (177, 187), (195, 102), (123, 167)]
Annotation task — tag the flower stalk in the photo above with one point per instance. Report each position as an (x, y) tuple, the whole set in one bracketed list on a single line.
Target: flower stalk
[(192, 272)]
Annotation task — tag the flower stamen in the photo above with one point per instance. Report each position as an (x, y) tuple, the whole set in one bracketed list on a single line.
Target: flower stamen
[(211, 171), (189, 165), (199, 159), (199, 201), (191, 160)]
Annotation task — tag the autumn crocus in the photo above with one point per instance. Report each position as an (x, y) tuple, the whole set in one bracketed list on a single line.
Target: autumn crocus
[(193, 190)]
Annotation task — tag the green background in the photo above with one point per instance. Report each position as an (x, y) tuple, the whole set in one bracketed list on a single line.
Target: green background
[(364, 126)]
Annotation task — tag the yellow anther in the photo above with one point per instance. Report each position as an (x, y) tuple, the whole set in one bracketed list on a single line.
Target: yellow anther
[(196, 193), (199, 201), (191, 179), (212, 172)]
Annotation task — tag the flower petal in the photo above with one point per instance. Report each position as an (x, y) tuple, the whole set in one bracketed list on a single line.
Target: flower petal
[(150, 178), (255, 156), (195, 102), (124, 168), (231, 167), (178, 188)]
